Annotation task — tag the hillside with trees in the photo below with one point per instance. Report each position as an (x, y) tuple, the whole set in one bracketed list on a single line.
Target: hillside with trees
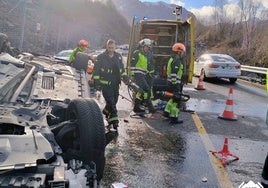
[(50, 26), (245, 38)]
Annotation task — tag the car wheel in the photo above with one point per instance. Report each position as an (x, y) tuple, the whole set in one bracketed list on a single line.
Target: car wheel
[(232, 80), (91, 133), (81, 61)]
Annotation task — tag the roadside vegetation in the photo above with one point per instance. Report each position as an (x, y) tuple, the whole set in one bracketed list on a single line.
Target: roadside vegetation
[(50, 26), (245, 37)]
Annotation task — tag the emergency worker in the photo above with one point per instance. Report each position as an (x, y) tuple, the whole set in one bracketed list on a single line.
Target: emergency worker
[(5, 44), (174, 76), (264, 180), (82, 45), (151, 68), (267, 81), (140, 67), (107, 75)]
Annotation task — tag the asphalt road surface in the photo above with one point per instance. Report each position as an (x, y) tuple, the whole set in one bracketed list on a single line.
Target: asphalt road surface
[(150, 152)]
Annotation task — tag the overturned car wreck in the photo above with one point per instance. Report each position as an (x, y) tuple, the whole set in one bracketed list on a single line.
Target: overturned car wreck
[(52, 133)]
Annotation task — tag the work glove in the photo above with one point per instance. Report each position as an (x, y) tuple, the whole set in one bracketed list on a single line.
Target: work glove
[(135, 87), (177, 95), (97, 85), (126, 80), (173, 87), (98, 88)]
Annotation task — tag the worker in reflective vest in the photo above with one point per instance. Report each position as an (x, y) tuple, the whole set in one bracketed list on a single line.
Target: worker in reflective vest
[(174, 75), (267, 81), (267, 92), (264, 180), (139, 69), (82, 45)]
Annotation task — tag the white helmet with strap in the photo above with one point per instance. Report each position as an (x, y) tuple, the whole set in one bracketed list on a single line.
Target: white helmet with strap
[(145, 42)]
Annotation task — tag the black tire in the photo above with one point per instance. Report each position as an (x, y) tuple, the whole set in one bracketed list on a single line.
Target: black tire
[(86, 113), (232, 80), (81, 61)]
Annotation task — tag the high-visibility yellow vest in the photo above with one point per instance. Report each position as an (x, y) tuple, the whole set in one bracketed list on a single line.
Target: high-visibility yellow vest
[(267, 81)]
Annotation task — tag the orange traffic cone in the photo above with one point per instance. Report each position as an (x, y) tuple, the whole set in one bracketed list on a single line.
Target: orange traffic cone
[(200, 85), (225, 153), (228, 113)]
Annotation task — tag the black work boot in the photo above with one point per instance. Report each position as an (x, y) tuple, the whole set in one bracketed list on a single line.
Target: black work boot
[(166, 114), (175, 120), (114, 125), (106, 113), (137, 107), (150, 106)]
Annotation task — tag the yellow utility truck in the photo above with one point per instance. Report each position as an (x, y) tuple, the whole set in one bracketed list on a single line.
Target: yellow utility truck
[(164, 34)]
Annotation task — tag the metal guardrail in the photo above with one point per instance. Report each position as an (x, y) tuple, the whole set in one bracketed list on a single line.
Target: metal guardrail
[(260, 70)]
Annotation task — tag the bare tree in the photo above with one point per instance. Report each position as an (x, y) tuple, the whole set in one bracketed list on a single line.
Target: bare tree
[(220, 16), (249, 10)]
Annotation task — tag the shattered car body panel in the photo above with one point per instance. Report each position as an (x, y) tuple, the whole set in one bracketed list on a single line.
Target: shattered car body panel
[(26, 149), (51, 132)]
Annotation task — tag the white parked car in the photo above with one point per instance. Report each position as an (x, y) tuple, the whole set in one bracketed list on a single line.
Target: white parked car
[(63, 55), (217, 66)]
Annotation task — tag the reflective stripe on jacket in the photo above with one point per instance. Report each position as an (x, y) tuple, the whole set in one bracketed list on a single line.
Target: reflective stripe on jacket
[(175, 70), (267, 81), (108, 70), (139, 63)]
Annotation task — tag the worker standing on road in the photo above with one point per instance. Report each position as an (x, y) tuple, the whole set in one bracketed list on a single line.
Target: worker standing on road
[(81, 47), (267, 92), (5, 45), (107, 75), (139, 69), (174, 76), (265, 166), (267, 81), (264, 180)]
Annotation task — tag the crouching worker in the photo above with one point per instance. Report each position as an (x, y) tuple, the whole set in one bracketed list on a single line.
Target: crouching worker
[(107, 74), (174, 75)]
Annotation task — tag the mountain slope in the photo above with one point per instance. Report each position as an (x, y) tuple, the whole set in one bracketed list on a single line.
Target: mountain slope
[(50, 26), (159, 10)]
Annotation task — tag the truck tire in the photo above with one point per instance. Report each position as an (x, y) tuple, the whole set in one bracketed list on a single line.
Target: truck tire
[(81, 61), (87, 115)]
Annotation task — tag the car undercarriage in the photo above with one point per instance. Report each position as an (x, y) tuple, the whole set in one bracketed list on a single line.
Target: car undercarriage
[(52, 133)]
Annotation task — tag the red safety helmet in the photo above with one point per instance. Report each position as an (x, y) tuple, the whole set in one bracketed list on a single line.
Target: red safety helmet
[(178, 46), (83, 43)]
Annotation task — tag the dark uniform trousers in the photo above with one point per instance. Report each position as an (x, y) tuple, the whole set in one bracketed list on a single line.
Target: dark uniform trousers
[(110, 94)]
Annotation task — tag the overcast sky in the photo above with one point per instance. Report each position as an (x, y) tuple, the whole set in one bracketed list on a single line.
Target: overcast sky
[(205, 8)]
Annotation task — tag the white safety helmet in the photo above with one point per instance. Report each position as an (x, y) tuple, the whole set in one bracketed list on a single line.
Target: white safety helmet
[(145, 42)]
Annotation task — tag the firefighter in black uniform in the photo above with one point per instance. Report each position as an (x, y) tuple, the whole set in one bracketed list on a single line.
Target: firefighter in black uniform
[(107, 75)]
